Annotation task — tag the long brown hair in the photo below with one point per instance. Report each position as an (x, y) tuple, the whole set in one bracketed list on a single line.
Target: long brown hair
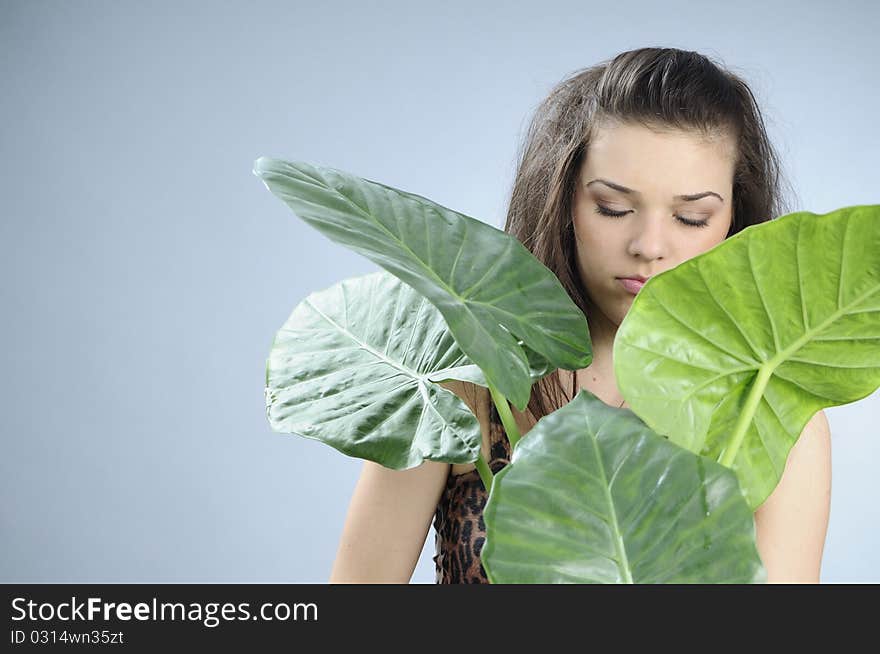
[(660, 88)]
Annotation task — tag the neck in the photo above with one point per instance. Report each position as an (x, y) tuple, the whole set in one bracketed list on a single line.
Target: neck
[(598, 377)]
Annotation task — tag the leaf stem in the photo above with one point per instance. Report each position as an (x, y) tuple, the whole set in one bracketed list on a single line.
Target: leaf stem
[(506, 417), (485, 472), (747, 414)]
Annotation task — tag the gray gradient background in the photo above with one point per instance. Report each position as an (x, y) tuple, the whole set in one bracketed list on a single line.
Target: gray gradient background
[(145, 270)]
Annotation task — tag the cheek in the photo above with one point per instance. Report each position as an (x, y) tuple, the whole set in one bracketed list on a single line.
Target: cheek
[(585, 245), (722, 227), (591, 236), (696, 240), (711, 238), (595, 258)]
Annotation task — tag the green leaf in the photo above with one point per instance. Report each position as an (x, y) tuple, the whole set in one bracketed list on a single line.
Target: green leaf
[(732, 352), (505, 309), (592, 495), (356, 366)]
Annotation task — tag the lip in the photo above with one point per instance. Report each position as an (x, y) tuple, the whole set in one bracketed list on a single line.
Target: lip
[(632, 284)]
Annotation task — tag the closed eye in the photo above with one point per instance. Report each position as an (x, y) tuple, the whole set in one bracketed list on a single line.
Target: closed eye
[(605, 211)]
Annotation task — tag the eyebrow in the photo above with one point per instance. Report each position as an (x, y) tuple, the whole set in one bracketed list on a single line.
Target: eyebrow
[(624, 189)]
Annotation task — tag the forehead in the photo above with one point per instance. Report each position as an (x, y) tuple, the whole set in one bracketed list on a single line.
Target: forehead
[(670, 162)]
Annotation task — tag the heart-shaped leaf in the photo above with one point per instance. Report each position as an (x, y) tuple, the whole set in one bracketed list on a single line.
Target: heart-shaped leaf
[(733, 351), (488, 287), (356, 365), (592, 495)]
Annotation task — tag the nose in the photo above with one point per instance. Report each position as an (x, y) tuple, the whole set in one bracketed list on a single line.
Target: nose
[(649, 238)]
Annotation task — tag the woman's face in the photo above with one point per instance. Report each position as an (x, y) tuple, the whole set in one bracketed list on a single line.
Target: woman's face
[(646, 176)]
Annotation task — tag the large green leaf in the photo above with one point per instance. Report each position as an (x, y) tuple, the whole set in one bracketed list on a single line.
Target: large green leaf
[(356, 366), (592, 495), (498, 300), (732, 352)]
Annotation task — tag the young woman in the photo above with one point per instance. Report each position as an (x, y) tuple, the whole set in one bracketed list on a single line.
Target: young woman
[(628, 169)]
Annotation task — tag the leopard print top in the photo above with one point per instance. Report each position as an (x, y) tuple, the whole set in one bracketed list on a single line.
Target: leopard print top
[(458, 521)]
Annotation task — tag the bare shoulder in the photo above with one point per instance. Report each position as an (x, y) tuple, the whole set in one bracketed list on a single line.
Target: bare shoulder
[(809, 459), (815, 439), (808, 463), (791, 524)]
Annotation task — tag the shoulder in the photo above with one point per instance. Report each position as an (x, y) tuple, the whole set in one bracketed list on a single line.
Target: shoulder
[(808, 466), (792, 523), (807, 473), (815, 439), (809, 460), (819, 423)]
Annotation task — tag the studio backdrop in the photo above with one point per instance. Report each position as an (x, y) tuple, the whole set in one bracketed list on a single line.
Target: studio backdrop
[(145, 269)]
